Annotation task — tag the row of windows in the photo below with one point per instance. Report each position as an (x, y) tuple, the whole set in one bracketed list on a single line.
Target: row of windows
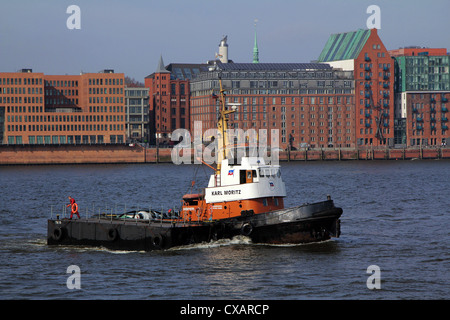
[(61, 83), (18, 81), (19, 100), (63, 118), (105, 90), (63, 127), (105, 108), (276, 92), (61, 102), (107, 100), (236, 125), (57, 83), (107, 81), (136, 93), (21, 90), (280, 74), (433, 132), (370, 65), (379, 54), (33, 109), (78, 139), (65, 92), (433, 95), (19, 109), (277, 100), (368, 75), (263, 84)]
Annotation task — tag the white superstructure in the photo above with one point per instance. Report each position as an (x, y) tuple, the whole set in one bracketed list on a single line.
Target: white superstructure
[(251, 179)]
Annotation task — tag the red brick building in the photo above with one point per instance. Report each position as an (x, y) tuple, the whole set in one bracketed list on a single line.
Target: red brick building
[(422, 90), (169, 99), (364, 53), (309, 104), (417, 51)]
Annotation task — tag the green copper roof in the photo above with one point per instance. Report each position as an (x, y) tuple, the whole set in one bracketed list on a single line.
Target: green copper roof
[(344, 46), (255, 50)]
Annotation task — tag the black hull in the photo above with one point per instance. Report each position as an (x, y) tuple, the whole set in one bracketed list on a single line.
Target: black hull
[(307, 223)]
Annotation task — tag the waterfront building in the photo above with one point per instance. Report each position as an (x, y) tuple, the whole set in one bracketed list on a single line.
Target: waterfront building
[(422, 90), (310, 104), (137, 114), (169, 99), (62, 109), (363, 53)]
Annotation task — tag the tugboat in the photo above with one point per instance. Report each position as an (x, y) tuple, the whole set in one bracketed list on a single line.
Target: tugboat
[(240, 199)]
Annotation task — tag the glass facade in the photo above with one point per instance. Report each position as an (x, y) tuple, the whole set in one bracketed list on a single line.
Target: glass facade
[(423, 73)]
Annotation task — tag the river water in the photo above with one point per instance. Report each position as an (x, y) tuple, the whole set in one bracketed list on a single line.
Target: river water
[(396, 217)]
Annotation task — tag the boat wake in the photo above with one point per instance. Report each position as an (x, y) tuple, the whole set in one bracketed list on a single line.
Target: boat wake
[(240, 240), (237, 240)]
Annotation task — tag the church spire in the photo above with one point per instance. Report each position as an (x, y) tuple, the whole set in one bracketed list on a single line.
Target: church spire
[(255, 48), (161, 68)]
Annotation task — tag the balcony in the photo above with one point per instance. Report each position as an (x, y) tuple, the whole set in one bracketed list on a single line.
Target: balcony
[(367, 114), (385, 77), (385, 96), (432, 100), (444, 109), (444, 127), (432, 119), (367, 77), (367, 68), (385, 114), (385, 68), (367, 86), (433, 110), (414, 110), (386, 105), (444, 119), (366, 59), (367, 95), (433, 128), (367, 125), (419, 127), (386, 125), (444, 100), (367, 105), (385, 85)]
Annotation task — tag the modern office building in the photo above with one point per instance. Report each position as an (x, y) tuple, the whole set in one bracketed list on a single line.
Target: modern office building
[(422, 90), (363, 53), (62, 109), (137, 114)]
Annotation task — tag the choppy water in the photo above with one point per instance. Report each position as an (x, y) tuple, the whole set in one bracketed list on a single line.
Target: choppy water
[(396, 216)]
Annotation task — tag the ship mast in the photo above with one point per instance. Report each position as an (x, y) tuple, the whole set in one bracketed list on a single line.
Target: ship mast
[(222, 127)]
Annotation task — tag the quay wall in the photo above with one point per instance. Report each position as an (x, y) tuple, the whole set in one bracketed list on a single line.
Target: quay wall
[(90, 154), (81, 154)]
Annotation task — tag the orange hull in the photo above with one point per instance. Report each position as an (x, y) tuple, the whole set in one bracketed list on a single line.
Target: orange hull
[(195, 208)]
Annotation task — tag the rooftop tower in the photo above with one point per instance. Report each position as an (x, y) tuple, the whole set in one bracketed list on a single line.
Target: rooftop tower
[(223, 50), (255, 48)]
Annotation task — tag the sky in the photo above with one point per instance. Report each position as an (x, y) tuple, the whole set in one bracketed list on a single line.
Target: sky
[(129, 36)]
